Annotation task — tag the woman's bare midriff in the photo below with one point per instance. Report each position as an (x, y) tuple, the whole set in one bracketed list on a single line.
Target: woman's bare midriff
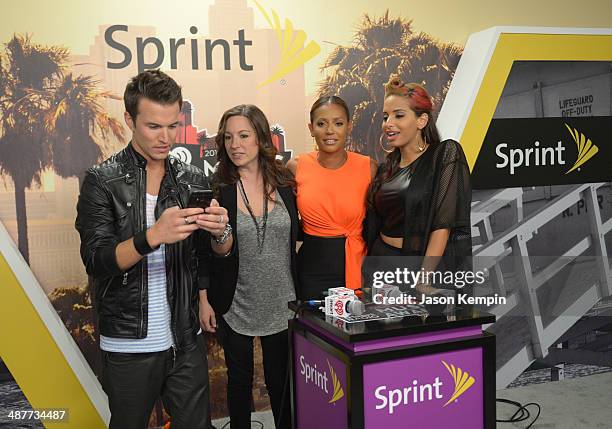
[(392, 241)]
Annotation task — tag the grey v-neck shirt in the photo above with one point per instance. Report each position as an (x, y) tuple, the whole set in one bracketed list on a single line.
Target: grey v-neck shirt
[(265, 285)]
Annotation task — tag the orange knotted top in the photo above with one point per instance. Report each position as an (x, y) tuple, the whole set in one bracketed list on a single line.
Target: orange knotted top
[(332, 203)]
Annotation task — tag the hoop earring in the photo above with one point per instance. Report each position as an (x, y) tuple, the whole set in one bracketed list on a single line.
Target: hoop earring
[(382, 146), (422, 148)]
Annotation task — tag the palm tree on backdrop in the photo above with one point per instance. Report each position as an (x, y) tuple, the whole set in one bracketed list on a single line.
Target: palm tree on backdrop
[(74, 307), (27, 72), (382, 46), (79, 126)]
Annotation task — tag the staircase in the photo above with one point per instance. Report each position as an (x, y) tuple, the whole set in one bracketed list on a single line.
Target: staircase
[(552, 268)]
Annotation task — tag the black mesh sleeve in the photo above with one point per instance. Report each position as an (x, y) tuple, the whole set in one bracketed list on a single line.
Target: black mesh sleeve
[(452, 190)]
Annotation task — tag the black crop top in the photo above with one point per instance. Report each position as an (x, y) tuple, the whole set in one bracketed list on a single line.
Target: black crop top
[(390, 201)]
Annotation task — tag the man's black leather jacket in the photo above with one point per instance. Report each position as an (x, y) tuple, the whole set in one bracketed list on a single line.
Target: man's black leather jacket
[(111, 209)]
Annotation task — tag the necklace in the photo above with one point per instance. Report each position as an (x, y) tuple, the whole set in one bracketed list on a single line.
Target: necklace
[(334, 168), (260, 230)]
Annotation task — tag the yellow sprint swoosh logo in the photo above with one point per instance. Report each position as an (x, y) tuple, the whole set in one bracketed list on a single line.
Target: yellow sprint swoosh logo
[(293, 52), (338, 391), (463, 381), (586, 148)]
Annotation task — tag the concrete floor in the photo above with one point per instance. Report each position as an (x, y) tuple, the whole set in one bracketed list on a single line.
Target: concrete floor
[(264, 417), (584, 403)]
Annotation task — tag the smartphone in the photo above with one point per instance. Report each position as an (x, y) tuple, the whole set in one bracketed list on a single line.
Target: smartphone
[(200, 199)]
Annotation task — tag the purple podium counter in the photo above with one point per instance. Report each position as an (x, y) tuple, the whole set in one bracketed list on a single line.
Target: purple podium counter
[(411, 372)]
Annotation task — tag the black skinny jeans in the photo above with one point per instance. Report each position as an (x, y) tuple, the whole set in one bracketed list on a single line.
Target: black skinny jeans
[(134, 381), (238, 350)]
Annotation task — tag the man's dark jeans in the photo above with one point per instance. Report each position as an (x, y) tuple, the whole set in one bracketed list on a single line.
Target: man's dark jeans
[(134, 381)]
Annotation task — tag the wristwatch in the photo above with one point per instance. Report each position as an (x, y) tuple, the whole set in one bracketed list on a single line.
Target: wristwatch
[(225, 235)]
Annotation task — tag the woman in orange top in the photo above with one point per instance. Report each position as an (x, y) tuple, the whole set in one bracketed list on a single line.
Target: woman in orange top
[(332, 184)]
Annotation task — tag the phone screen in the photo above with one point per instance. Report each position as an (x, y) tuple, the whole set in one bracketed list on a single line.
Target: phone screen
[(200, 198)]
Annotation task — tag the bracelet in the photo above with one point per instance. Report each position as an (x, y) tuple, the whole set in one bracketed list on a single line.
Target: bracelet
[(224, 236), (141, 244), (229, 252)]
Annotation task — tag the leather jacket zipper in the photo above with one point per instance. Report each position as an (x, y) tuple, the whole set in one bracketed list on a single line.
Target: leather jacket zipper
[(143, 272), (127, 177), (173, 248), (177, 188), (192, 185)]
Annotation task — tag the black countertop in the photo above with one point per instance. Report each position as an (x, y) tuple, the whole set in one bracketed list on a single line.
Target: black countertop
[(459, 317)]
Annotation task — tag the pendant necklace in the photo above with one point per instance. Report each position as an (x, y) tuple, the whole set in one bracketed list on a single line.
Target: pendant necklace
[(259, 230)]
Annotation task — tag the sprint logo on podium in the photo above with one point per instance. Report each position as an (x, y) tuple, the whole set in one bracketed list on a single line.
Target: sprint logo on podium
[(463, 381), (418, 392), (320, 379)]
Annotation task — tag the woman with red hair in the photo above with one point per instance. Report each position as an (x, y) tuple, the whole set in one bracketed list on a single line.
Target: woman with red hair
[(419, 201)]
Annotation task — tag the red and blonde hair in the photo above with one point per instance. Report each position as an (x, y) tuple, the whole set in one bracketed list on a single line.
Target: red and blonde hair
[(420, 102), (417, 95)]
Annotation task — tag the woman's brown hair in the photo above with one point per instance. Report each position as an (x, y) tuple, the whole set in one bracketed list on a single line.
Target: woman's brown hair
[(274, 173)]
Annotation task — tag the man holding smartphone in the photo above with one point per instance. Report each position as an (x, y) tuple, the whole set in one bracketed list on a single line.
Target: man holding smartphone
[(149, 258)]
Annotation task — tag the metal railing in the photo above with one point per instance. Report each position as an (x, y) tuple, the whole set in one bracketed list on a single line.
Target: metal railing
[(492, 250)]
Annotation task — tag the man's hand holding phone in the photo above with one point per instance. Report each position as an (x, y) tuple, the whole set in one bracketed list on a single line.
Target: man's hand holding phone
[(173, 225), (214, 219)]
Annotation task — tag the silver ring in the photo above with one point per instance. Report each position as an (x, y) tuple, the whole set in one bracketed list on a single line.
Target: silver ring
[(220, 218), (186, 221)]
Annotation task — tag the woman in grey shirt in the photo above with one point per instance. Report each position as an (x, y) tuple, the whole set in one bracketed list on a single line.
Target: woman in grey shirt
[(257, 191)]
